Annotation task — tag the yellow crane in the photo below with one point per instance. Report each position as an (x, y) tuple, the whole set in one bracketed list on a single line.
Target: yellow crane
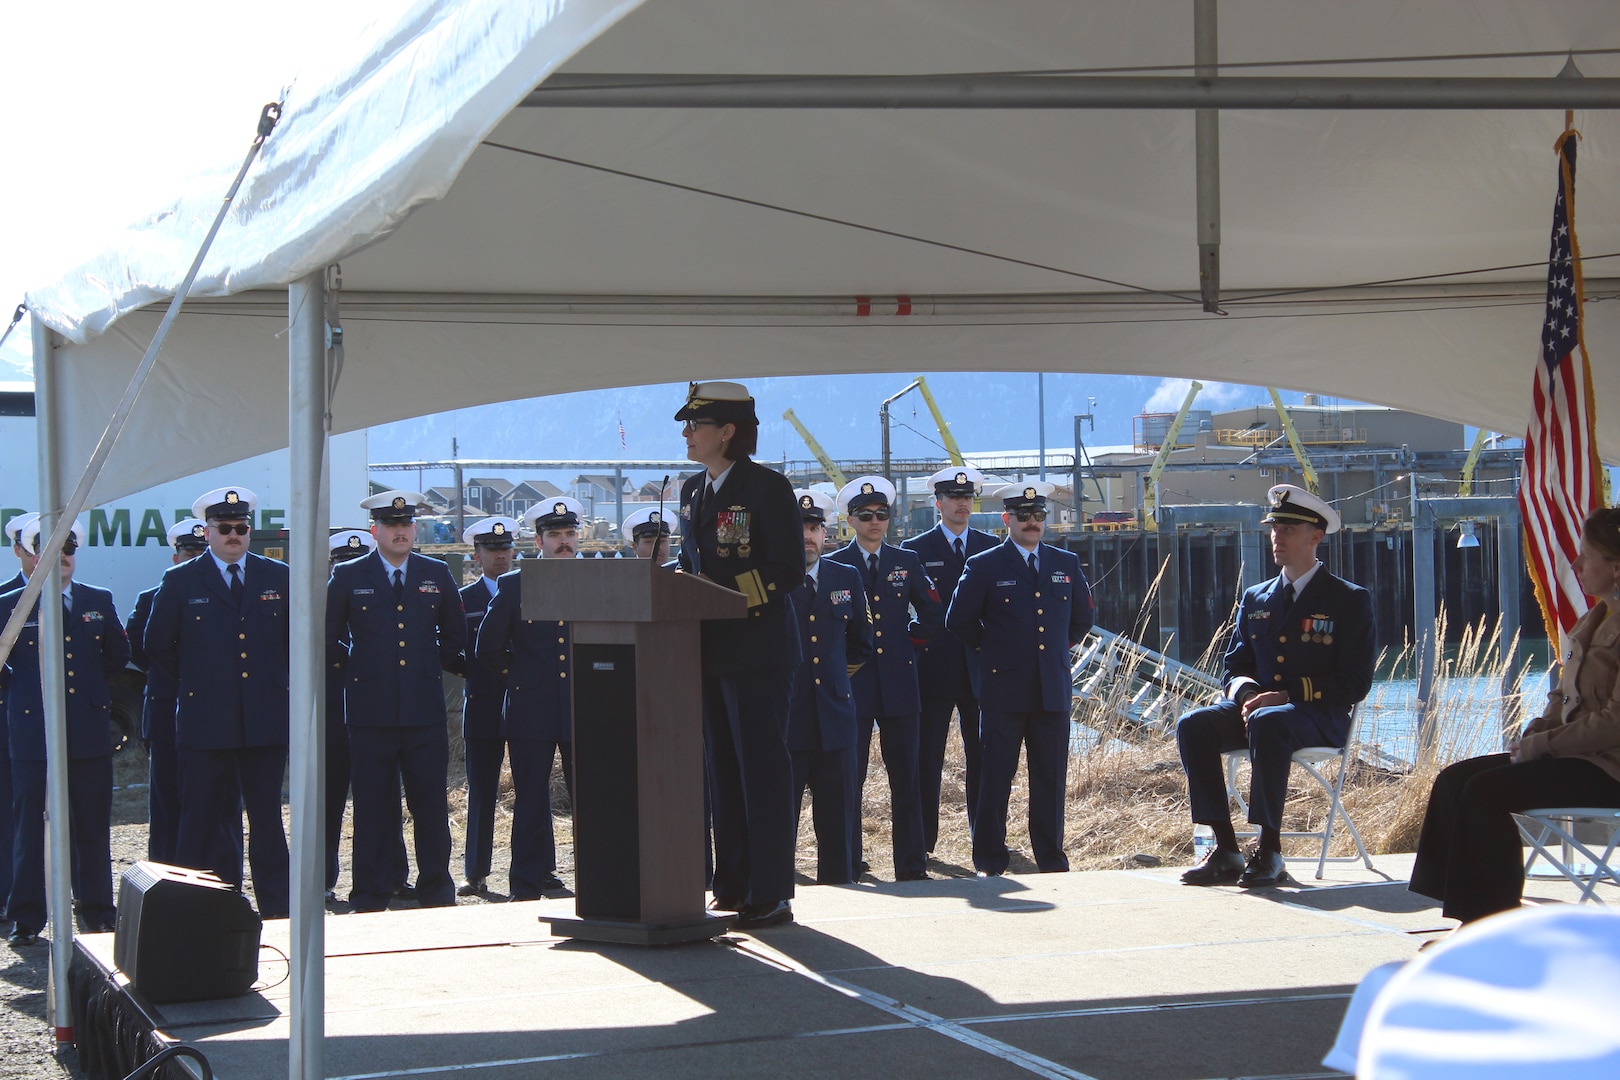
[(1150, 483), (1472, 463), (945, 435), (1305, 466), (834, 473)]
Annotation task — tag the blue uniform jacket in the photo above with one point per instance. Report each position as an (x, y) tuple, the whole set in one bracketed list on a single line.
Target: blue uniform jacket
[(394, 652), (888, 685), (836, 632), (17, 582), (94, 648), (534, 656), (228, 662), (944, 670), (486, 685), (1022, 625), (748, 537), (1321, 650), (160, 689)]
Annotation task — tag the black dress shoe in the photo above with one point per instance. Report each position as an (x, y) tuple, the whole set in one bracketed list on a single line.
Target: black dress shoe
[(406, 891), (1223, 867), (21, 936), (724, 903), (472, 887), (551, 883), (523, 897), (1264, 870), (915, 875), (759, 916)]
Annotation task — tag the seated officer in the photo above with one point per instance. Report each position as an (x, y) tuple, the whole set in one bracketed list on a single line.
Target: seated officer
[(94, 648), (537, 720), (220, 631), (647, 530), (492, 541), (886, 688), (189, 538), (1301, 655), (393, 624), (835, 632), (1022, 606), (942, 669)]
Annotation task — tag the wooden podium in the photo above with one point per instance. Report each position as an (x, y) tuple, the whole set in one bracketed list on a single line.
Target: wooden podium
[(638, 743)]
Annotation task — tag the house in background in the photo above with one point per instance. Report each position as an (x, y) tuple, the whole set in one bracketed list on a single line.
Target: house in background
[(600, 494), (483, 494), (524, 494)]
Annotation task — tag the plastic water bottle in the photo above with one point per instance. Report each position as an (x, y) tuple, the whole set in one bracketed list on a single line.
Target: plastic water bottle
[(1203, 843)]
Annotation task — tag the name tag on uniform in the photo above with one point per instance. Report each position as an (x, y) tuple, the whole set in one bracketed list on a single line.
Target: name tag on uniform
[(428, 587), (197, 600), (1004, 584), (92, 616), (364, 592), (269, 594), (940, 563)]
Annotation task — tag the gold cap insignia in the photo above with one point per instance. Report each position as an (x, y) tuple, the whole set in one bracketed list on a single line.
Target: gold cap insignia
[(867, 489), (560, 508), (806, 502), (655, 516), (961, 478), (354, 541), (399, 502), (199, 531), (1029, 493), (499, 529), (231, 498)]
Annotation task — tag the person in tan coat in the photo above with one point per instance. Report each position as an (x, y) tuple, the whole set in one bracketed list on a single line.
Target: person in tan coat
[(1469, 855)]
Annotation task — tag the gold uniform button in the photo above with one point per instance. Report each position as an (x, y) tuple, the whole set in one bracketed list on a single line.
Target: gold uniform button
[(71, 690), (1319, 695), (1281, 659), (812, 618), (244, 656), (880, 650), (402, 663), (241, 637), (812, 639), (402, 644), (561, 623), (1037, 596), (400, 607), (815, 659), (818, 682), (1282, 639), (878, 633), (562, 641), (70, 673), (70, 656), (1040, 629), (402, 626), (1042, 647), (562, 656), (1040, 611), (876, 615), (1276, 678), (244, 674), (562, 674)]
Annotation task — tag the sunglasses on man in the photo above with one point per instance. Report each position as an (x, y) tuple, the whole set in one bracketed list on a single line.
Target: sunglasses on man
[(69, 546), (1030, 515), (870, 515), (226, 528)]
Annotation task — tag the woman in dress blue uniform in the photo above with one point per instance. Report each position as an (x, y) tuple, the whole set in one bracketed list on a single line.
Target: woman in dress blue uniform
[(94, 647), (741, 529)]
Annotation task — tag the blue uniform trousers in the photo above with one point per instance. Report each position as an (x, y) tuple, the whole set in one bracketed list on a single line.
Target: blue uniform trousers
[(934, 730), (898, 741), (534, 843), (483, 758), (337, 797), (1045, 737), (215, 786), (745, 719), (7, 826), (380, 760), (162, 801), (1273, 735), (834, 807), (89, 831)]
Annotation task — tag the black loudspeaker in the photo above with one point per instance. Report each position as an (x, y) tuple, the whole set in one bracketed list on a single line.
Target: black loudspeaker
[(184, 935)]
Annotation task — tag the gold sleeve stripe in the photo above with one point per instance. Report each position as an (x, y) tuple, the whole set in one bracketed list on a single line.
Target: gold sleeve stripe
[(752, 586), (1305, 685)]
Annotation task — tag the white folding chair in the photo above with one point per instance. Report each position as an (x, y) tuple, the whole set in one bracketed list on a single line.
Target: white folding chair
[(1582, 829), (1311, 759)]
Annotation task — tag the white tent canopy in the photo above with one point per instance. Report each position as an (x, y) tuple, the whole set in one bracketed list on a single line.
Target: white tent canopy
[(474, 272)]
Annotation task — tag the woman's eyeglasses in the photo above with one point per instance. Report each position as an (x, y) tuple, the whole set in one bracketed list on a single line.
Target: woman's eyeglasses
[(692, 425)]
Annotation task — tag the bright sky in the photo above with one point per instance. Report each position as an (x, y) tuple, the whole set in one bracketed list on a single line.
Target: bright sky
[(106, 104)]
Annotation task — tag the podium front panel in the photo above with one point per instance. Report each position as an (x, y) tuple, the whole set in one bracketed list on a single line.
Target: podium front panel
[(607, 804)]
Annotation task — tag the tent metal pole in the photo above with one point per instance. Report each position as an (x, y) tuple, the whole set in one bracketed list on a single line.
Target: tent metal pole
[(59, 862), (306, 751), (1207, 151), (732, 91)]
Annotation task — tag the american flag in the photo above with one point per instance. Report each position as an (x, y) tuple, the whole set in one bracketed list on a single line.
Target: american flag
[(623, 445), (1563, 475)]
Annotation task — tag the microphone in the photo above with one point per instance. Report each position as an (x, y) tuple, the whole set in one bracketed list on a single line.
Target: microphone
[(663, 489)]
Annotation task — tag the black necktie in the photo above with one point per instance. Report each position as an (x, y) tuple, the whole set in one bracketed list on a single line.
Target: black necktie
[(236, 582), (67, 603), (399, 586), (1288, 595), (959, 553), (871, 568), (1032, 563), (810, 583)]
